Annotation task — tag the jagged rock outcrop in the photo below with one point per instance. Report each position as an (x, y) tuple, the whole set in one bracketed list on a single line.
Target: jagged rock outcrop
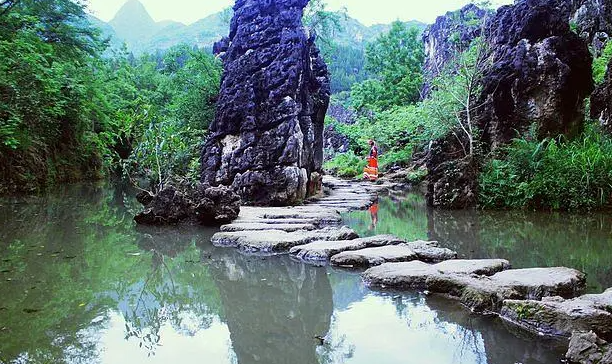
[(450, 34), (592, 20), (540, 73), (587, 348), (452, 180), (267, 137), (204, 205), (601, 102)]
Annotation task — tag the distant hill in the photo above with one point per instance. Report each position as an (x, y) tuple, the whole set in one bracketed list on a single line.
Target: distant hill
[(133, 25)]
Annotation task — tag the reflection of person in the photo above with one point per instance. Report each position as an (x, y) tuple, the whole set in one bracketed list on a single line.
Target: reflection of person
[(374, 216), (371, 171)]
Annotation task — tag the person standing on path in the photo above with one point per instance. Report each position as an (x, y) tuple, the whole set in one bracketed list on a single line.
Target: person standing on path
[(371, 171)]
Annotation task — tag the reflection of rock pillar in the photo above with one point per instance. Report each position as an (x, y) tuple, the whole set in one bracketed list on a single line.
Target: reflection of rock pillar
[(273, 308)]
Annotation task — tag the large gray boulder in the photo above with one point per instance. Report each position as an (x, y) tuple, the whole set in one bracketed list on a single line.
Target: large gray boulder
[(267, 137), (540, 73)]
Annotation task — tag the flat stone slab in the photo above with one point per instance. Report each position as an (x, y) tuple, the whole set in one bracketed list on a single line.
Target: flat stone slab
[(374, 256), (430, 251), (479, 292), (278, 241), (415, 274), (427, 251), (556, 316), (262, 227), (313, 213), (319, 251)]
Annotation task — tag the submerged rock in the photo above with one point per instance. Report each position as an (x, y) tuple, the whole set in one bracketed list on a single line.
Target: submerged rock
[(202, 204), (267, 137)]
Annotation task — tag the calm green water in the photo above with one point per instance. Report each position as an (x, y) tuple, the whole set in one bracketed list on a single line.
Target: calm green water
[(79, 283), (526, 239)]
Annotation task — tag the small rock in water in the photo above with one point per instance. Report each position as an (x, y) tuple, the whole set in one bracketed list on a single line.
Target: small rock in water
[(31, 310)]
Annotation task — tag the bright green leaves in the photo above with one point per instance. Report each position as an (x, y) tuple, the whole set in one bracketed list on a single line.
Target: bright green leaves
[(395, 59)]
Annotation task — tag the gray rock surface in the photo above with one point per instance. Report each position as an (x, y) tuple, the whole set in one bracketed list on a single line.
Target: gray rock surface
[(587, 348), (416, 274), (459, 279), (200, 204), (555, 316), (431, 252), (278, 241), (446, 37), (321, 251), (258, 226), (541, 73), (267, 137), (374, 256)]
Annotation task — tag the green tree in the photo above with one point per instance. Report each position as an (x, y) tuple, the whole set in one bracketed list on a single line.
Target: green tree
[(395, 59)]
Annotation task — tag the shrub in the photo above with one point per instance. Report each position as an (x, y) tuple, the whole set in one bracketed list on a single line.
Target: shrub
[(346, 165), (555, 174)]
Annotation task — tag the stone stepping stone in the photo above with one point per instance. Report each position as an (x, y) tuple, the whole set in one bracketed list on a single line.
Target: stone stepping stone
[(277, 221), (320, 251), (411, 275), (374, 256), (321, 216), (431, 252), (262, 227), (555, 316), (481, 293), (417, 250), (278, 241)]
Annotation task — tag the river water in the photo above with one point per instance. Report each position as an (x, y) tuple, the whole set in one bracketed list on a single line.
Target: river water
[(80, 283)]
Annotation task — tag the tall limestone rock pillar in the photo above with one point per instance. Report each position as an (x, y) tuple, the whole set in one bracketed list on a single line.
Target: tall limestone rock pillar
[(267, 137)]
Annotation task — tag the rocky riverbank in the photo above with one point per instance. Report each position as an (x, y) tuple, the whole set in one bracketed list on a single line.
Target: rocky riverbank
[(547, 301)]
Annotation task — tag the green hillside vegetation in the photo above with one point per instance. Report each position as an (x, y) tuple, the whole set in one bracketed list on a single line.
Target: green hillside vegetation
[(68, 114)]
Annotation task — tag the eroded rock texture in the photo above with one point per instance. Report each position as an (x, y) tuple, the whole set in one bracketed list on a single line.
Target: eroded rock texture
[(601, 102), (450, 34), (202, 204), (592, 19), (267, 137), (540, 73)]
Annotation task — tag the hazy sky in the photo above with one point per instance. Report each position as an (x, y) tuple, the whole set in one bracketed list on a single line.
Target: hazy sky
[(367, 11)]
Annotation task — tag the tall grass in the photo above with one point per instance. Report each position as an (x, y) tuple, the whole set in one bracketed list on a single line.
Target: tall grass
[(556, 174)]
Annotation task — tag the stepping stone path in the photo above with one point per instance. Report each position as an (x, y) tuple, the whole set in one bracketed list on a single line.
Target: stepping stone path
[(544, 300), (323, 250)]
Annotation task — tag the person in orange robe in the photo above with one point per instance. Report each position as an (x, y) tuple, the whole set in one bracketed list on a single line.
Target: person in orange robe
[(371, 171)]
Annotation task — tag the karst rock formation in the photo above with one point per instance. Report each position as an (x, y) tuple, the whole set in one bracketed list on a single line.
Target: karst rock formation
[(267, 137)]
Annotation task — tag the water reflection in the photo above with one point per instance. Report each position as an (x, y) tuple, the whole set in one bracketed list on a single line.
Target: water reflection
[(413, 328), (527, 239), (274, 308), (81, 284)]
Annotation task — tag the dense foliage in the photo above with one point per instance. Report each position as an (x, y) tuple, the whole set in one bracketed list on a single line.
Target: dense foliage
[(600, 64), (551, 174), (50, 122), (395, 60), (67, 113)]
